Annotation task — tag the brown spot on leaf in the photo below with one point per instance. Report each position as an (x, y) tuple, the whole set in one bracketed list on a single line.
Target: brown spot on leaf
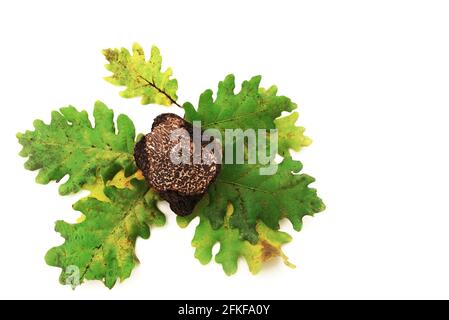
[(268, 251), (110, 55)]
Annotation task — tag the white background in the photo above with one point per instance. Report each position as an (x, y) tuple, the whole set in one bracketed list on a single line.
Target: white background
[(371, 79)]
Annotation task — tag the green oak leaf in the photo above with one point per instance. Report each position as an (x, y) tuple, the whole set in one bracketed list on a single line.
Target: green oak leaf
[(102, 246), (140, 77), (255, 197), (70, 145), (268, 198), (289, 135), (251, 108), (232, 247)]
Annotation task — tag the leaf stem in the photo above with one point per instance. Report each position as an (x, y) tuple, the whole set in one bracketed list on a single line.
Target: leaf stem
[(151, 84)]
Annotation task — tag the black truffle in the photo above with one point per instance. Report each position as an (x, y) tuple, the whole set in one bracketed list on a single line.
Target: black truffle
[(183, 184)]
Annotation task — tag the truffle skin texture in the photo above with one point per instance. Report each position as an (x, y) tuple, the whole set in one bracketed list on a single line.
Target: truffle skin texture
[(183, 184)]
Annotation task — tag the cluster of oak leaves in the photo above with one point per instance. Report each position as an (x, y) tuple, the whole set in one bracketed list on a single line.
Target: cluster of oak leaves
[(241, 210)]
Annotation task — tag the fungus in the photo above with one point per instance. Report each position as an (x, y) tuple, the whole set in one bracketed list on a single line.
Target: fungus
[(181, 184)]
